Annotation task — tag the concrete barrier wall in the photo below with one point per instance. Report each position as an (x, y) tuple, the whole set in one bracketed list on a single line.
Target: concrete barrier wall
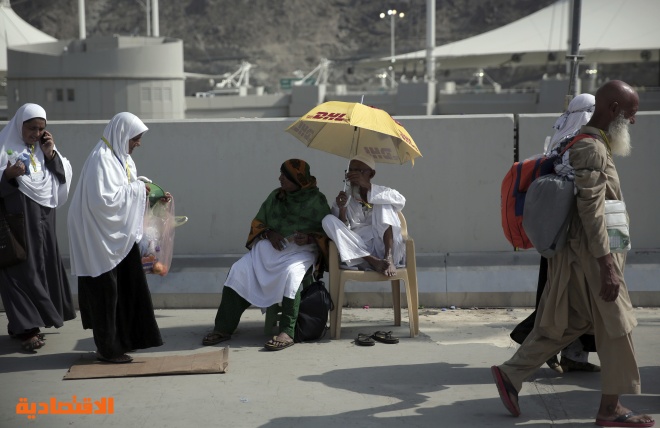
[(220, 170), (224, 106)]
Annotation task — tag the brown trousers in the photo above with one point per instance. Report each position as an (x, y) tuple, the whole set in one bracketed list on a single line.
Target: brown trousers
[(619, 372)]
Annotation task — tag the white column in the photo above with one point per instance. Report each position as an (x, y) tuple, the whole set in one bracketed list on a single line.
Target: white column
[(430, 40), (81, 19), (154, 12), (392, 16), (576, 16), (147, 6)]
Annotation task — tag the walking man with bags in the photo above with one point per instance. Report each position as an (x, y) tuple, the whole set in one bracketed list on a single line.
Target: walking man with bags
[(586, 291), (575, 356)]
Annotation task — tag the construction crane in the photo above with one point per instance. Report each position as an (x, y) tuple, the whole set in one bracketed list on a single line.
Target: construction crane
[(322, 69), (239, 78), (236, 83)]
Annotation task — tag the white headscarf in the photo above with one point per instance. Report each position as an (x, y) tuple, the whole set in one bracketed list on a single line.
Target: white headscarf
[(108, 206), (47, 192), (579, 112)]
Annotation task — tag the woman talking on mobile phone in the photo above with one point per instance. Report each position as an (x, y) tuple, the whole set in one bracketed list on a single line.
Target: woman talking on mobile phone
[(35, 292)]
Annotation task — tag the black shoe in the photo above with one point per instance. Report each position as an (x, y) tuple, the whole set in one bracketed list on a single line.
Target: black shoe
[(569, 365), (553, 363)]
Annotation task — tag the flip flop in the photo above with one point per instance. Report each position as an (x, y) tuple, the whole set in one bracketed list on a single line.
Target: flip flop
[(385, 337), (214, 338), (276, 344), (505, 388), (365, 340), (122, 359), (621, 421)]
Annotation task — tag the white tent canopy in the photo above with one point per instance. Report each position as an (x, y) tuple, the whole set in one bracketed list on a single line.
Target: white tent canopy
[(612, 31), (15, 32)]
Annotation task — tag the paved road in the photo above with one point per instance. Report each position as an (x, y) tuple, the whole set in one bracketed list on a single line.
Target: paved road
[(441, 378)]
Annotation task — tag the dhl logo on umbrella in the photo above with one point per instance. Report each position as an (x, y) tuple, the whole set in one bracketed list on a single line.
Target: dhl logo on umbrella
[(327, 128), (322, 115), (304, 131), (379, 153), (407, 139)]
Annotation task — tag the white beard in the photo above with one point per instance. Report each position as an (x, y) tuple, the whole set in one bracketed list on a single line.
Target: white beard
[(354, 191), (619, 136)]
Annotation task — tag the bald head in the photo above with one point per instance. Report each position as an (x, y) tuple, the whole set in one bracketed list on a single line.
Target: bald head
[(613, 99), (616, 106)]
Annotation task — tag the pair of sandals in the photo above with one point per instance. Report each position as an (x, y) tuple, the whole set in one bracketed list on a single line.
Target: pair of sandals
[(380, 336)]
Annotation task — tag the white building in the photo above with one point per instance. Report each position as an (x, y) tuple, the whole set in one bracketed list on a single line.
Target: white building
[(96, 78)]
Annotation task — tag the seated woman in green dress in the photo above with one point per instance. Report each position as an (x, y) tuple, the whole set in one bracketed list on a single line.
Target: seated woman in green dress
[(285, 240)]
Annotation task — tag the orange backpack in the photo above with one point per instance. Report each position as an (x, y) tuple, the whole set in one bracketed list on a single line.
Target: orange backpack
[(514, 188)]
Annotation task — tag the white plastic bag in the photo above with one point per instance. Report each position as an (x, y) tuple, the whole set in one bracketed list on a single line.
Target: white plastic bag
[(157, 243), (616, 221)]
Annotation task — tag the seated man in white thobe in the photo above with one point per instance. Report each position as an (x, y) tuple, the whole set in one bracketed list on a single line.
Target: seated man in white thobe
[(364, 222)]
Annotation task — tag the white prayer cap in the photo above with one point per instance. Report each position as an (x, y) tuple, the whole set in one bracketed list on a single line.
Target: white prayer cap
[(365, 159)]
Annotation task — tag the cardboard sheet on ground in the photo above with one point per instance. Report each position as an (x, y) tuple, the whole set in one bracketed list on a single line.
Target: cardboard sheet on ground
[(88, 367)]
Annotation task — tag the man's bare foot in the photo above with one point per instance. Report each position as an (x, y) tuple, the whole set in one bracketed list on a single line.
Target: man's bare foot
[(391, 269), (384, 266), (623, 416)]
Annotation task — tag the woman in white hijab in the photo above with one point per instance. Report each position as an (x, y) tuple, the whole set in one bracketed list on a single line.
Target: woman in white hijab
[(105, 225), (575, 356), (567, 126), (35, 293)]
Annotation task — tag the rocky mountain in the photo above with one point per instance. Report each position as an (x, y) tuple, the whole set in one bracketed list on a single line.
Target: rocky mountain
[(282, 36)]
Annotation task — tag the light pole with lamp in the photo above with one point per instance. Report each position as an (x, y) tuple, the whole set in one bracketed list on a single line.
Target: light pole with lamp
[(392, 14)]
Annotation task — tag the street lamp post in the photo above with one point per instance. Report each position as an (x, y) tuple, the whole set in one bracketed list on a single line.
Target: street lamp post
[(392, 14)]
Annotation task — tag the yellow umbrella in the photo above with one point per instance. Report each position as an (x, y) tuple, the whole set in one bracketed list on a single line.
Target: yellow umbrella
[(346, 129)]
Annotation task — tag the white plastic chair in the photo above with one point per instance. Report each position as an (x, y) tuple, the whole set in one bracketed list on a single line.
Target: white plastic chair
[(339, 277)]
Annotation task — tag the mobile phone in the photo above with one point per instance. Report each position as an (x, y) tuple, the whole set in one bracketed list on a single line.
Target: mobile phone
[(42, 140)]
